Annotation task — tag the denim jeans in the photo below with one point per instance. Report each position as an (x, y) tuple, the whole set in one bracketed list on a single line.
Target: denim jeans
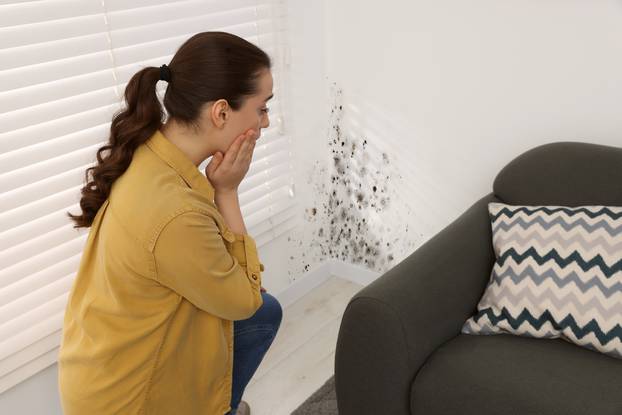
[(251, 340)]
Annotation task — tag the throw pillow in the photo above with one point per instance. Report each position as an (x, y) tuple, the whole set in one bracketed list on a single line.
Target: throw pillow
[(558, 274)]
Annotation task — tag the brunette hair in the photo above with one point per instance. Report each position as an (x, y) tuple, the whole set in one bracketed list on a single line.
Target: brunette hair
[(206, 67)]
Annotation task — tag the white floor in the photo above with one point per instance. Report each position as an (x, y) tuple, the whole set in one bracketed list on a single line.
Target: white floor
[(302, 355)]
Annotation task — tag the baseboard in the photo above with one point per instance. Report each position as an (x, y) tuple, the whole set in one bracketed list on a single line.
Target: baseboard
[(355, 273), (300, 287)]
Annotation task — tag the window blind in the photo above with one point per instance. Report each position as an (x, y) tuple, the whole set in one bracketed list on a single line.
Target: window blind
[(64, 65)]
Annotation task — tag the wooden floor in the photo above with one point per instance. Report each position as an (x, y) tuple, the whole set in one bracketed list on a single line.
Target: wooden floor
[(302, 355)]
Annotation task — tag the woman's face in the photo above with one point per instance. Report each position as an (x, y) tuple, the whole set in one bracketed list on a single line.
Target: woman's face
[(253, 114)]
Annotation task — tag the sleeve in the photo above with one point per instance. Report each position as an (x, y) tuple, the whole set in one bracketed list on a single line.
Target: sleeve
[(217, 275)]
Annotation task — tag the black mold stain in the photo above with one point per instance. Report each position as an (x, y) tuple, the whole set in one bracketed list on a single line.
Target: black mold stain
[(354, 190)]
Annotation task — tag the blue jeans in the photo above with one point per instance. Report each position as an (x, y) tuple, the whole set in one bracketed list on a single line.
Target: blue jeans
[(251, 340)]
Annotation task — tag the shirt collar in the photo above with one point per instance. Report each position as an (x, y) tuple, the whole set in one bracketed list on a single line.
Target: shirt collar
[(175, 158)]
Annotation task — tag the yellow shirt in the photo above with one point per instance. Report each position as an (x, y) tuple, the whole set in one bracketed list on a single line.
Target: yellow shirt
[(148, 327)]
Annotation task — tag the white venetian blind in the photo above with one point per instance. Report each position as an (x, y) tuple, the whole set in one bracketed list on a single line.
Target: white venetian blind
[(64, 65)]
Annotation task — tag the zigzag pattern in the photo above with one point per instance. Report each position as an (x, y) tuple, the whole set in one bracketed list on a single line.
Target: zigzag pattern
[(546, 317), (558, 303), (582, 283), (558, 274), (532, 254), (558, 239), (497, 209), (546, 224)]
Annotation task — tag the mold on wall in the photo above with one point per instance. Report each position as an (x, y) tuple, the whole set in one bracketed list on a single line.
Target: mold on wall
[(356, 215)]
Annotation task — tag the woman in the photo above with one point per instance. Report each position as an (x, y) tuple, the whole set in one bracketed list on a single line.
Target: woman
[(167, 314)]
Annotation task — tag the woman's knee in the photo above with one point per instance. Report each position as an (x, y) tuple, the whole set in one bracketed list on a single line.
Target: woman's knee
[(271, 309)]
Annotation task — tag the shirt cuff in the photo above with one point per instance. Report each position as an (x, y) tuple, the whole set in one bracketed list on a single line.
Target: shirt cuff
[(243, 247)]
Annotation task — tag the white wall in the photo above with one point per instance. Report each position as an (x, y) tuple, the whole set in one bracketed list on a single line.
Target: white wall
[(452, 90), (430, 99), (306, 114)]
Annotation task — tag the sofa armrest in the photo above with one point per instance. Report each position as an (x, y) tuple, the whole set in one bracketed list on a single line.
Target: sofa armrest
[(392, 325)]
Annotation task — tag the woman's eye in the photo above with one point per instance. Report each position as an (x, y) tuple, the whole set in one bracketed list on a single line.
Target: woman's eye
[(265, 109)]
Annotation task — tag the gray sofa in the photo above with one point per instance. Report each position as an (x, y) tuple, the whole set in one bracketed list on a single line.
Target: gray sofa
[(399, 349)]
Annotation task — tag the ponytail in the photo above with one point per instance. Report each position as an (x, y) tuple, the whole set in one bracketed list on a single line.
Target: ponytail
[(130, 127)]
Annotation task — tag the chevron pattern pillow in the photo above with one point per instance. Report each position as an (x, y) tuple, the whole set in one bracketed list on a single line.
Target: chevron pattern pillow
[(558, 274)]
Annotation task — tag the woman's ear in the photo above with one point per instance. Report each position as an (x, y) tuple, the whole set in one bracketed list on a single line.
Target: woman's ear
[(219, 113)]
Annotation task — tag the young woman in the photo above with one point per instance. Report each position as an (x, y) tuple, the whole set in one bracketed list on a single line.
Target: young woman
[(167, 314)]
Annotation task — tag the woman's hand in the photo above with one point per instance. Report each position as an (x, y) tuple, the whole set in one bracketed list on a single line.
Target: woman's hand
[(226, 172)]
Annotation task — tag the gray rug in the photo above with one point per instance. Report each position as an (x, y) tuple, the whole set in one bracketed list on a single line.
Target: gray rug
[(322, 402)]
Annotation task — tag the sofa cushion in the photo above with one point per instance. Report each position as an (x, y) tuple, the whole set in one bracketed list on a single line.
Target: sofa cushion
[(513, 375), (558, 274)]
